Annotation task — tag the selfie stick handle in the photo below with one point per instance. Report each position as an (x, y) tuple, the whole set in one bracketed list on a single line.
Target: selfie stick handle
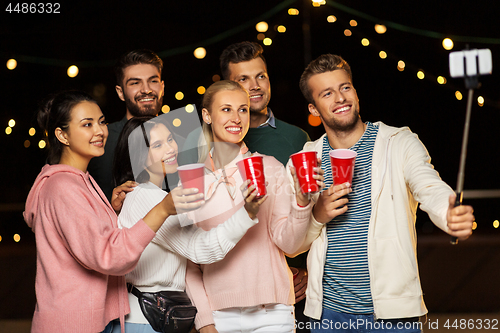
[(463, 155)]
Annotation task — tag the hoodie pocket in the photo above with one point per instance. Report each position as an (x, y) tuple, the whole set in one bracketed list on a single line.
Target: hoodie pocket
[(393, 274)]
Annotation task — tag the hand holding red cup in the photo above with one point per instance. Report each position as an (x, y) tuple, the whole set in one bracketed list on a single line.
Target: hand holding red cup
[(304, 164), (253, 168), (342, 161)]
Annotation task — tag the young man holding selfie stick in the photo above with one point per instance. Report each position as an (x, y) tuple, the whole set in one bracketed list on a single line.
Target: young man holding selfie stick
[(362, 263)]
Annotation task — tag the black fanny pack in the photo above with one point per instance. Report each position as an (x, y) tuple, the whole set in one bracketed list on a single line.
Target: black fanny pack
[(166, 311)]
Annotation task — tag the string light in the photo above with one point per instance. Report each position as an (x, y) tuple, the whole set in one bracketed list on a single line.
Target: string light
[(165, 109), (261, 26), (420, 75), (12, 123), (480, 100), (267, 41), (201, 90), (353, 23), (365, 42), (293, 11), (347, 32), (382, 54), (447, 44), (177, 122), (11, 64), (216, 78), (27, 143), (8, 130), (441, 80), (281, 29), (380, 29), (179, 95), (41, 144), (72, 71), (313, 120), (496, 224), (17, 238), (401, 65), (458, 95), (261, 36), (189, 108), (200, 53), (32, 131), (331, 19)]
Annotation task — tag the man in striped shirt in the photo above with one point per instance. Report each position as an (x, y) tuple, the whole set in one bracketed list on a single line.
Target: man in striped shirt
[(363, 273)]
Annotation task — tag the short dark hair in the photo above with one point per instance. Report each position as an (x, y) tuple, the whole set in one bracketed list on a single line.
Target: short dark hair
[(239, 52), (324, 63), (142, 56), (55, 112)]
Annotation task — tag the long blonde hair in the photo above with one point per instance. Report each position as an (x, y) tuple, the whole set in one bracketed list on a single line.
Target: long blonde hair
[(205, 141)]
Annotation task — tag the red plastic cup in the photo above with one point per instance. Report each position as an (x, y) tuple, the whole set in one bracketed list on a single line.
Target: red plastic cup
[(295, 272), (342, 165), (193, 176), (253, 168), (304, 163)]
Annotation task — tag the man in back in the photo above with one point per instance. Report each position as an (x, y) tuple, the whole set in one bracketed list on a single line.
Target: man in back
[(139, 85)]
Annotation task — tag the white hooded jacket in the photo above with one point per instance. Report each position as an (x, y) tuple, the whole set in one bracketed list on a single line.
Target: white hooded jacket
[(402, 177)]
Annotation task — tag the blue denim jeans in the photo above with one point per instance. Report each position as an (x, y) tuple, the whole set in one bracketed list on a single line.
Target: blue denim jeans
[(332, 321)]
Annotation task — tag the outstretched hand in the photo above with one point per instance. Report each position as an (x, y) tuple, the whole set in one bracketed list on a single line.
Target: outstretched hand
[(460, 219), (119, 194), (250, 193)]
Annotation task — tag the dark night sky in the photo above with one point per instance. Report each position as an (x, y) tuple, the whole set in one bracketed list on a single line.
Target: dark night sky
[(94, 34)]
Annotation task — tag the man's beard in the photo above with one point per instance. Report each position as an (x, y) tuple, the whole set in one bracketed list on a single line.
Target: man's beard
[(149, 110), (259, 109), (344, 126)]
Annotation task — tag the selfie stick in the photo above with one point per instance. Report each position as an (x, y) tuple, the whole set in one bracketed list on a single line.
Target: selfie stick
[(467, 64)]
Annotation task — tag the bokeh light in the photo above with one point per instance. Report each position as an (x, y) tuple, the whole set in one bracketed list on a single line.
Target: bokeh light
[(331, 18), (189, 108), (313, 120), (365, 42), (41, 144), (382, 54), (201, 90), (179, 95), (401, 65), (216, 78), (293, 11), (267, 41), (441, 80), (177, 122), (480, 100), (200, 53), (17, 238), (12, 123), (165, 109), (8, 130), (347, 32), (11, 64), (380, 28), (27, 143), (420, 75), (72, 71), (353, 23), (262, 26), (32, 131), (281, 29), (261, 36), (496, 224), (458, 95), (448, 44)]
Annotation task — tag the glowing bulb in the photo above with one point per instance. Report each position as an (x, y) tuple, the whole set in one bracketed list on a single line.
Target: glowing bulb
[(165, 109), (179, 95), (474, 225), (281, 29), (72, 71), (401, 65), (420, 75), (365, 42), (267, 41), (12, 123), (458, 95), (8, 130), (189, 108), (353, 23), (11, 64), (380, 28), (293, 11), (201, 90), (41, 144), (200, 53), (32, 131), (480, 100), (441, 80), (496, 224), (27, 143), (382, 54), (331, 19), (216, 78), (17, 238), (261, 36), (261, 26), (448, 44), (177, 122), (347, 32)]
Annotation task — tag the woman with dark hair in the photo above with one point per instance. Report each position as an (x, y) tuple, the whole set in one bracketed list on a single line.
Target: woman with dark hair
[(147, 152), (82, 255)]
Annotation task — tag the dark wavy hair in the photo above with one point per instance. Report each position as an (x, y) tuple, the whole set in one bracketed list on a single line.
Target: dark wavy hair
[(136, 57), (239, 52), (55, 112), (135, 150)]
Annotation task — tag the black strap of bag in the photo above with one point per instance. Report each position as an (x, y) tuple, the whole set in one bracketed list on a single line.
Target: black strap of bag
[(166, 311)]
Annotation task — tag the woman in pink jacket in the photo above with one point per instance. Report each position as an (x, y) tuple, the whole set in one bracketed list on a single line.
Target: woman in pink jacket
[(81, 253), (251, 289)]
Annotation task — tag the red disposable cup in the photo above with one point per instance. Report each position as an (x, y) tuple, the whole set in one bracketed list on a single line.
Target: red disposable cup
[(295, 272), (304, 163), (253, 168), (342, 161), (193, 176)]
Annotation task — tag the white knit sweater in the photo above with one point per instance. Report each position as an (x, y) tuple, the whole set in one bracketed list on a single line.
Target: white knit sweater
[(162, 265)]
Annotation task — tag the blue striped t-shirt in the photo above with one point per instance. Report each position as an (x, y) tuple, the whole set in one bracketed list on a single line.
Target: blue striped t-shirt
[(346, 280)]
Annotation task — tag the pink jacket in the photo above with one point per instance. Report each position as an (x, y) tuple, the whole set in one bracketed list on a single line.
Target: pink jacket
[(255, 271), (81, 254)]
